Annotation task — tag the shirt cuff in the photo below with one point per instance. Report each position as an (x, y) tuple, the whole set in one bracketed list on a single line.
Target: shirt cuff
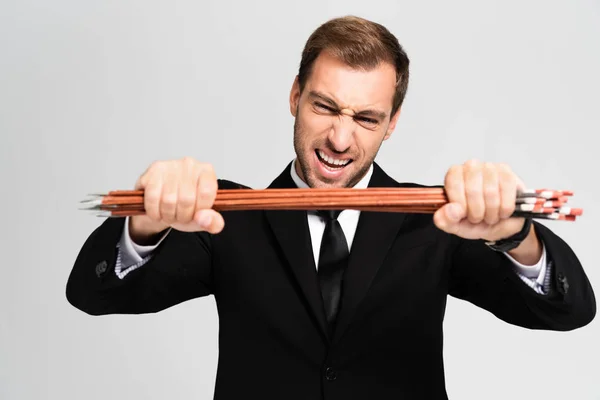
[(535, 276), (132, 255)]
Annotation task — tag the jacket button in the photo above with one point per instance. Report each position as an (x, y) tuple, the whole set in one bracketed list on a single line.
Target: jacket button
[(101, 268), (564, 283), (330, 374)]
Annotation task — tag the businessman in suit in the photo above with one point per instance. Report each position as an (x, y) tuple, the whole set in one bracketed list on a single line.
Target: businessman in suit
[(350, 305)]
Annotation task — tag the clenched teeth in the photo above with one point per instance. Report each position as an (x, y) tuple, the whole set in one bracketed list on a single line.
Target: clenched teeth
[(331, 160)]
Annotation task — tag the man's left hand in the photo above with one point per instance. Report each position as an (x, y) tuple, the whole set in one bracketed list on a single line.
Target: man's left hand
[(481, 198)]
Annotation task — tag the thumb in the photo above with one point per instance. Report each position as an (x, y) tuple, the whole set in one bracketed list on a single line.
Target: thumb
[(205, 220), (448, 217), (209, 220)]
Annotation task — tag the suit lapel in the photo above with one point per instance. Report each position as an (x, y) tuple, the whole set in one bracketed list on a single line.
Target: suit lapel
[(293, 235), (374, 236)]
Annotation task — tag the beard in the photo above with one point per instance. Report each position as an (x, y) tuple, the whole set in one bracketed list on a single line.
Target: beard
[(305, 151)]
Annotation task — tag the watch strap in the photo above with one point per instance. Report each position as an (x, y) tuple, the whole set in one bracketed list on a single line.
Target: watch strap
[(511, 242)]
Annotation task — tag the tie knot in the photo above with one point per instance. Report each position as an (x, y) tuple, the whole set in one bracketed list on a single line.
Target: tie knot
[(329, 215)]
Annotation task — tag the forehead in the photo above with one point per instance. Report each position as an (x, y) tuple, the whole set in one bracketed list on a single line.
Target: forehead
[(353, 88)]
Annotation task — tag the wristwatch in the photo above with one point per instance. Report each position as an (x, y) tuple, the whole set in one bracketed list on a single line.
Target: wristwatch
[(511, 242)]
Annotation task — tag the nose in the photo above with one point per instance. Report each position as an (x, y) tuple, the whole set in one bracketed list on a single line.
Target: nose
[(342, 133)]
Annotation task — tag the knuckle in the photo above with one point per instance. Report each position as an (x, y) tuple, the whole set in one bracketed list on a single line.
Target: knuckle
[(454, 170), (479, 211), (169, 199), (507, 183), (150, 196), (473, 191), (475, 219), (167, 218), (453, 181), (473, 163), (476, 210), (154, 216), (188, 161), (205, 197), (506, 209), (493, 203), (490, 192), (505, 174), (154, 164), (208, 166), (491, 219), (208, 169), (489, 166), (166, 210), (504, 167), (207, 186), (186, 199), (157, 166), (190, 165), (142, 181), (153, 213)]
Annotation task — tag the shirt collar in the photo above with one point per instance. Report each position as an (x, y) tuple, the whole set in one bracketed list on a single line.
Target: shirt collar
[(362, 184)]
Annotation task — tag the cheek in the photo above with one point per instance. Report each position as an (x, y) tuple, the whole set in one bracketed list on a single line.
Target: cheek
[(368, 142), (315, 124)]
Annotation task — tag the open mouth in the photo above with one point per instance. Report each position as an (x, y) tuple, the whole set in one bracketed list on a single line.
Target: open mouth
[(332, 163)]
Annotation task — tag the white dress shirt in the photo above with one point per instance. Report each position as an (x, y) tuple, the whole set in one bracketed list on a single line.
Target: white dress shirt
[(132, 256)]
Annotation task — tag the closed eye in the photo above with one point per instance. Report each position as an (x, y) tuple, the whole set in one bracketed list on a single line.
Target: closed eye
[(324, 107), (367, 120)]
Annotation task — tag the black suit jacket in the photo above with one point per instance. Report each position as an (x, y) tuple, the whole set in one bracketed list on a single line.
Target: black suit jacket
[(272, 331)]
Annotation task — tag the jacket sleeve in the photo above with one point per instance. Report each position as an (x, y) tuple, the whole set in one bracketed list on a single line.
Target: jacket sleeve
[(179, 270), (487, 279)]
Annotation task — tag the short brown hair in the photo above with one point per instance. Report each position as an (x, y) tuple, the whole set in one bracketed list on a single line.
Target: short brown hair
[(359, 43)]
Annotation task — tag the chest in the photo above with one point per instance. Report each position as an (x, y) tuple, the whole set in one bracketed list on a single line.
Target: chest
[(253, 270)]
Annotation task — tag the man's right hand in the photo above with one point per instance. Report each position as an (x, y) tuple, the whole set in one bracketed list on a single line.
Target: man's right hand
[(177, 194)]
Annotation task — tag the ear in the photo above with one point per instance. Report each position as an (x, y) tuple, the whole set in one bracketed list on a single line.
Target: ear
[(294, 96), (392, 124)]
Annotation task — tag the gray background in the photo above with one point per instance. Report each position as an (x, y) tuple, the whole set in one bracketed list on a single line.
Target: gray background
[(91, 92)]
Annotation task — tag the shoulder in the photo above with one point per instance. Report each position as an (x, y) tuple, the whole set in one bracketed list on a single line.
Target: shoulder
[(382, 178), (227, 184)]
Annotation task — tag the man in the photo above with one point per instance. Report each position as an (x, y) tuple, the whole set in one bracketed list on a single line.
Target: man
[(346, 306)]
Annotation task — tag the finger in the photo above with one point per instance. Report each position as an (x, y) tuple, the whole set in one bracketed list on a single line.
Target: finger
[(454, 186), (491, 193), (508, 191), (520, 183), (207, 188), (209, 220), (145, 177), (141, 183), (186, 196), (152, 194), (473, 178), (168, 201)]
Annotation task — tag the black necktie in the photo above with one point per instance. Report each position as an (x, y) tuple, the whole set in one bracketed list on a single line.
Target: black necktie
[(333, 259)]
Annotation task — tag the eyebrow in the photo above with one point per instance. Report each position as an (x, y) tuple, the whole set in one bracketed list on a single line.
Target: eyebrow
[(368, 112)]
